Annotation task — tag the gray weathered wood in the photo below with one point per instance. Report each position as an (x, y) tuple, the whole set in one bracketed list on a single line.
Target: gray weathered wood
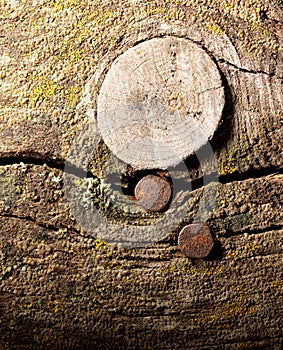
[(60, 287), (244, 40), (62, 290)]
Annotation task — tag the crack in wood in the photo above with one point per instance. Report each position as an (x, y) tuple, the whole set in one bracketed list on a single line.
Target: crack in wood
[(246, 70), (81, 173), (32, 220)]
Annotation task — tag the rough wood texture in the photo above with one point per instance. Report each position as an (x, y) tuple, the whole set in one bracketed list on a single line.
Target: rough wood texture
[(63, 288), (44, 69)]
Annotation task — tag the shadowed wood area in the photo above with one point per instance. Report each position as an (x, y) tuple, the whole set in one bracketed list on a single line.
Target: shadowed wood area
[(66, 279)]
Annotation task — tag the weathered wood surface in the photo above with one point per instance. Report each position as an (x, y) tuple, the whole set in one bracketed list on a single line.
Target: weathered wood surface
[(62, 288), (45, 68)]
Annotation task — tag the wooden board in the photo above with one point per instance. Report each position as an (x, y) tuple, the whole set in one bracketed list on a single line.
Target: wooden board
[(61, 285), (51, 75), (62, 288)]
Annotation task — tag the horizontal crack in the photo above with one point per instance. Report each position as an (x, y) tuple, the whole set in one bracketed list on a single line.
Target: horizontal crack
[(214, 177), (196, 183), (45, 225), (250, 174), (58, 164), (245, 70), (34, 160)]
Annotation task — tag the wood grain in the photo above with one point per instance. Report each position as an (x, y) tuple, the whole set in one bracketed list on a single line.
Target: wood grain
[(61, 90), (62, 290), (61, 286)]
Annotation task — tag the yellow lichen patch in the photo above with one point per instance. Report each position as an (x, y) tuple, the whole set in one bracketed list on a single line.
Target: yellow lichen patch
[(237, 311), (70, 52), (44, 89), (216, 29), (26, 306), (239, 293), (228, 165), (101, 245), (59, 5), (252, 246), (171, 269), (234, 254), (228, 169), (277, 284), (236, 288), (228, 5), (73, 95)]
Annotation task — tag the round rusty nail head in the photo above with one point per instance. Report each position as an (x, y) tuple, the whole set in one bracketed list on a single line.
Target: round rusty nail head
[(195, 241), (153, 192)]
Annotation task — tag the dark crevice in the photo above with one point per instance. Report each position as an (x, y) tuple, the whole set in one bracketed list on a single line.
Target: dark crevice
[(32, 220), (214, 177), (196, 183), (245, 70), (250, 174), (55, 163)]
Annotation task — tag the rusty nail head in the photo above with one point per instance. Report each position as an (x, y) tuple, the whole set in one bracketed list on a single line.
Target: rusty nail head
[(153, 192), (195, 241)]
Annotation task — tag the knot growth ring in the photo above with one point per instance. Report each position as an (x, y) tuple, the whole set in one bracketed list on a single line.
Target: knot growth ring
[(160, 102)]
